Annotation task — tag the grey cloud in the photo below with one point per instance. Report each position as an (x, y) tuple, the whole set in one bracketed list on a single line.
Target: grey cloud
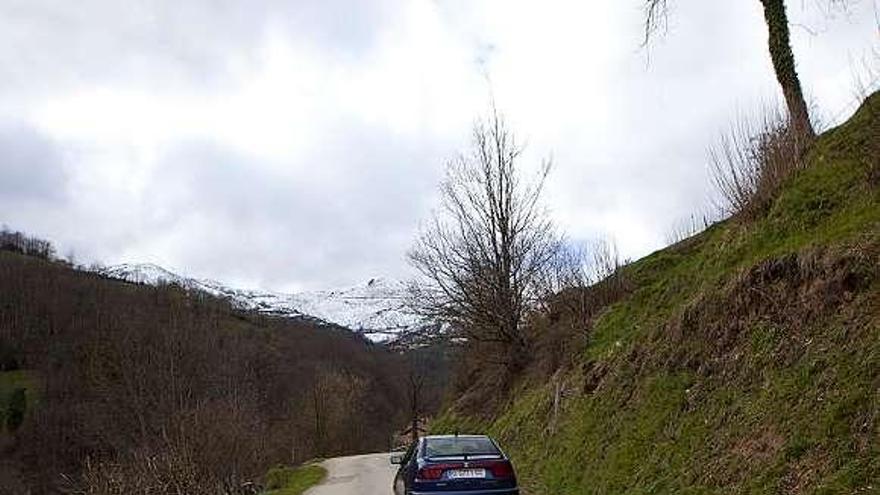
[(164, 43), (30, 165), (350, 218)]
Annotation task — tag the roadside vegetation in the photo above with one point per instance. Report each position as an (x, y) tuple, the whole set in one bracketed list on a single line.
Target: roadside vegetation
[(743, 359), (294, 481)]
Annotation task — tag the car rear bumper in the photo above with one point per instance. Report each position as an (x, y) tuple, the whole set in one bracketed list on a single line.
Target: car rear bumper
[(496, 491)]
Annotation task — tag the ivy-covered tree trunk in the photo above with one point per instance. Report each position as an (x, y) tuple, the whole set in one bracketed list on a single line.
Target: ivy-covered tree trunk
[(783, 65)]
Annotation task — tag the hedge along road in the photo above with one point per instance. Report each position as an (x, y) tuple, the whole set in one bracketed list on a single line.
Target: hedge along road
[(370, 474)]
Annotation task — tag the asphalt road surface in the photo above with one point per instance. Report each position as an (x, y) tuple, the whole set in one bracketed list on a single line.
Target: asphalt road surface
[(369, 474)]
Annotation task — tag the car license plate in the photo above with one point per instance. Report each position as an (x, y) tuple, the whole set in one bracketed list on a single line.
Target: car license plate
[(456, 474)]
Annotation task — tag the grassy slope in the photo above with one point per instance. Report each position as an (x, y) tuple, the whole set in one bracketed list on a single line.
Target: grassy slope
[(747, 360)]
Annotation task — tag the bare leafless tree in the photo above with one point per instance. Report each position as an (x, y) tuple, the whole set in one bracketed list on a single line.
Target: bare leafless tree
[(606, 260), (418, 375), (585, 279), (482, 255), (581, 265), (569, 269)]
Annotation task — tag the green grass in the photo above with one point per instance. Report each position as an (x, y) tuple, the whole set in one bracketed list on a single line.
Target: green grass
[(293, 481), (741, 363)]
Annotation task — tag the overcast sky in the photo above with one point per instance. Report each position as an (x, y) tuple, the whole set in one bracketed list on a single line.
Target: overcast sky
[(296, 145)]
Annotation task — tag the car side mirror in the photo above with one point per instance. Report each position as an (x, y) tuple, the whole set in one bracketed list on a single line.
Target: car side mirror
[(397, 459)]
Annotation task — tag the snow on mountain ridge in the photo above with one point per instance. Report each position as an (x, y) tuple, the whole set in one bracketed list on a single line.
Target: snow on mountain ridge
[(376, 309), (142, 273)]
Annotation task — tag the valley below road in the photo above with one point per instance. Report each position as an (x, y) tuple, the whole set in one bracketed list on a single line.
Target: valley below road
[(370, 474)]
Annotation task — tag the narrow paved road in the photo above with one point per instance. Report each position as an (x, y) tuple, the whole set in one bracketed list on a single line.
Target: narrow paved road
[(369, 474)]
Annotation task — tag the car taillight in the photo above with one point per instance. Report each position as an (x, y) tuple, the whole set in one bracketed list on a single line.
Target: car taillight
[(500, 469), (430, 473)]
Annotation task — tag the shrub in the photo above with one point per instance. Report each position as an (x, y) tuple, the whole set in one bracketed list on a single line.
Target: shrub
[(293, 481), (752, 161)]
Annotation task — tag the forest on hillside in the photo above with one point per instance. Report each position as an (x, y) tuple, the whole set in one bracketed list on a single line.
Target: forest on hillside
[(109, 387)]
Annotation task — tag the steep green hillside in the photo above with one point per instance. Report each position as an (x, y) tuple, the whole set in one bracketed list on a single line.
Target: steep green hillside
[(744, 360)]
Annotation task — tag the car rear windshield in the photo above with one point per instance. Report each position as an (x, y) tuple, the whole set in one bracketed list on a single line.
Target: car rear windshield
[(459, 446)]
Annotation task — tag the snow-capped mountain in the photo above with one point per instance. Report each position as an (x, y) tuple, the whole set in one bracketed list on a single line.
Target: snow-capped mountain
[(376, 309)]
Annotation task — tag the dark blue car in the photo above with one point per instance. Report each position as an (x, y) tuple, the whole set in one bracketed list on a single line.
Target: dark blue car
[(454, 465)]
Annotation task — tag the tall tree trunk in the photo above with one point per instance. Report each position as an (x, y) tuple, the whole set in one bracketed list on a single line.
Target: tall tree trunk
[(783, 65), (414, 399)]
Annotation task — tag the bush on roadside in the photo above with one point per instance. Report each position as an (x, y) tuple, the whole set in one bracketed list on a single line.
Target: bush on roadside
[(283, 480)]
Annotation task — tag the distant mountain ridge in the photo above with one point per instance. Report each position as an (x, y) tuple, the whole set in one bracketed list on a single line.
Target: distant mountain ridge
[(376, 309)]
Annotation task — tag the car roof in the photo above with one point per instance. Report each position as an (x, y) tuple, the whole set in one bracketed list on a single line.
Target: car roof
[(429, 437)]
